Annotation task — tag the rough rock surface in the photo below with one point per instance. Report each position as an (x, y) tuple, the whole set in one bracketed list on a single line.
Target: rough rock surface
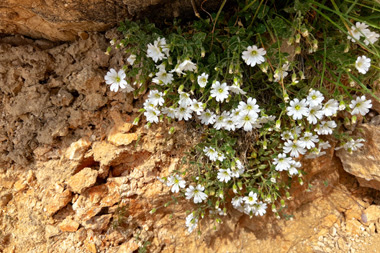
[(63, 130), (365, 163), (68, 20)]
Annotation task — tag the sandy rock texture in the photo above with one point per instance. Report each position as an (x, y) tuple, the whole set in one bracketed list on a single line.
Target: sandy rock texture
[(68, 20), (77, 176)]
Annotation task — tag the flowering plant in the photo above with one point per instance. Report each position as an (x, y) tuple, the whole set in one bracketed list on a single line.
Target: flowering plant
[(255, 91)]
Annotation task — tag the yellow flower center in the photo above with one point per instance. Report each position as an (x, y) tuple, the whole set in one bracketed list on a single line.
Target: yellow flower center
[(254, 53), (297, 107)]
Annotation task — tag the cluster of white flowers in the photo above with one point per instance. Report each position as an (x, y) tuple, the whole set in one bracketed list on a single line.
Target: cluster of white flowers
[(318, 116), (361, 30), (236, 170), (249, 204)]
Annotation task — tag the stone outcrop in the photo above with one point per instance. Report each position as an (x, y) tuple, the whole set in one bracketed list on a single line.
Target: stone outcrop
[(68, 20), (365, 162)]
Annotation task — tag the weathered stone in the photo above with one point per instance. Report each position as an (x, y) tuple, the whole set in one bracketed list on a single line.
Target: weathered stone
[(55, 200), (353, 226), (98, 223), (77, 149), (120, 139), (365, 163), (128, 247), (94, 199), (68, 20), (5, 198), (82, 180), (372, 213), (68, 225), (51, 231), (20, 185)]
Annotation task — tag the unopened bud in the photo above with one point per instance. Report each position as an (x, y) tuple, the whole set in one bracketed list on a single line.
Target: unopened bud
[(298, 50), (136, 121), (298, 38)]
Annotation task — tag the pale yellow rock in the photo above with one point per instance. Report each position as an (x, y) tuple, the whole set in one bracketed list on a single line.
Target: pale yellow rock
[(82, 180), (77, 149), (68, 225), (128, 247), (372, 213), (120, 139)]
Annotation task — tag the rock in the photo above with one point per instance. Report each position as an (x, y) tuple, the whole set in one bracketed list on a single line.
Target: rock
[(120, 139), (91, 202), (68, 20), (98, 223), (81, 235), (68, 225), (20, 185), (128, 247), (372, 213), (51, 231), (57, 199), (90, 246), (77, 149), (365, 163), (353, 227), (82, 180), (5, 198)]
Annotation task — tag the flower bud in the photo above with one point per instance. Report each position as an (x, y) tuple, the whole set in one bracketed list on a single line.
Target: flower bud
[(304, 32), (291, 41), (171, 130), (274, 208), (354, 119), (234, 189), (278, 124), (282, 202), (298, 38), (298, 50), (136, 121), (240, 185)]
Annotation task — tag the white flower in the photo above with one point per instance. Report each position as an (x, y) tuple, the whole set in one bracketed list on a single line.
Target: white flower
[(169, 111), (294, 148), (251, 199), (207, 117), (183, 112), (184, 99), (295, 131), (220, 120), (152, 114), (282, 162), (354, 145), (191, 223), (221, 157), (362, 64), (158, 50), (197, 107), (229, 124), (315, 114), (237, 170), (297, 109), (202, 80), (224, 175), (287, 135), (360, 106), (314, 98), (176, 182), (260, 209), (371, 38), (281, 73), (237, 90), (249, 107), (116, 79), (131, 59), (308, 140), (247, 121), (128, 88), (331, 107), (237, 202), (324, 144), (156, 97), (187, 65), (293, 168), (358, 31), (325, 127), (196, 193), (219, 91), (254, 55), (211, 153), (163, 77)]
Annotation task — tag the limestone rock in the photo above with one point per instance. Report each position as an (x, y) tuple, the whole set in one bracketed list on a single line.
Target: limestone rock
[(365, 163), (67, 20), (98, 223), (120, 139), (91, 202), (82, 180), (128, 247), (68, 225), (372, 213), (77, 149), (56, 199)]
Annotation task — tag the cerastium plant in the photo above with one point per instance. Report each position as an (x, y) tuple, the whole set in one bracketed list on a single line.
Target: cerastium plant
[(265, 86)]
